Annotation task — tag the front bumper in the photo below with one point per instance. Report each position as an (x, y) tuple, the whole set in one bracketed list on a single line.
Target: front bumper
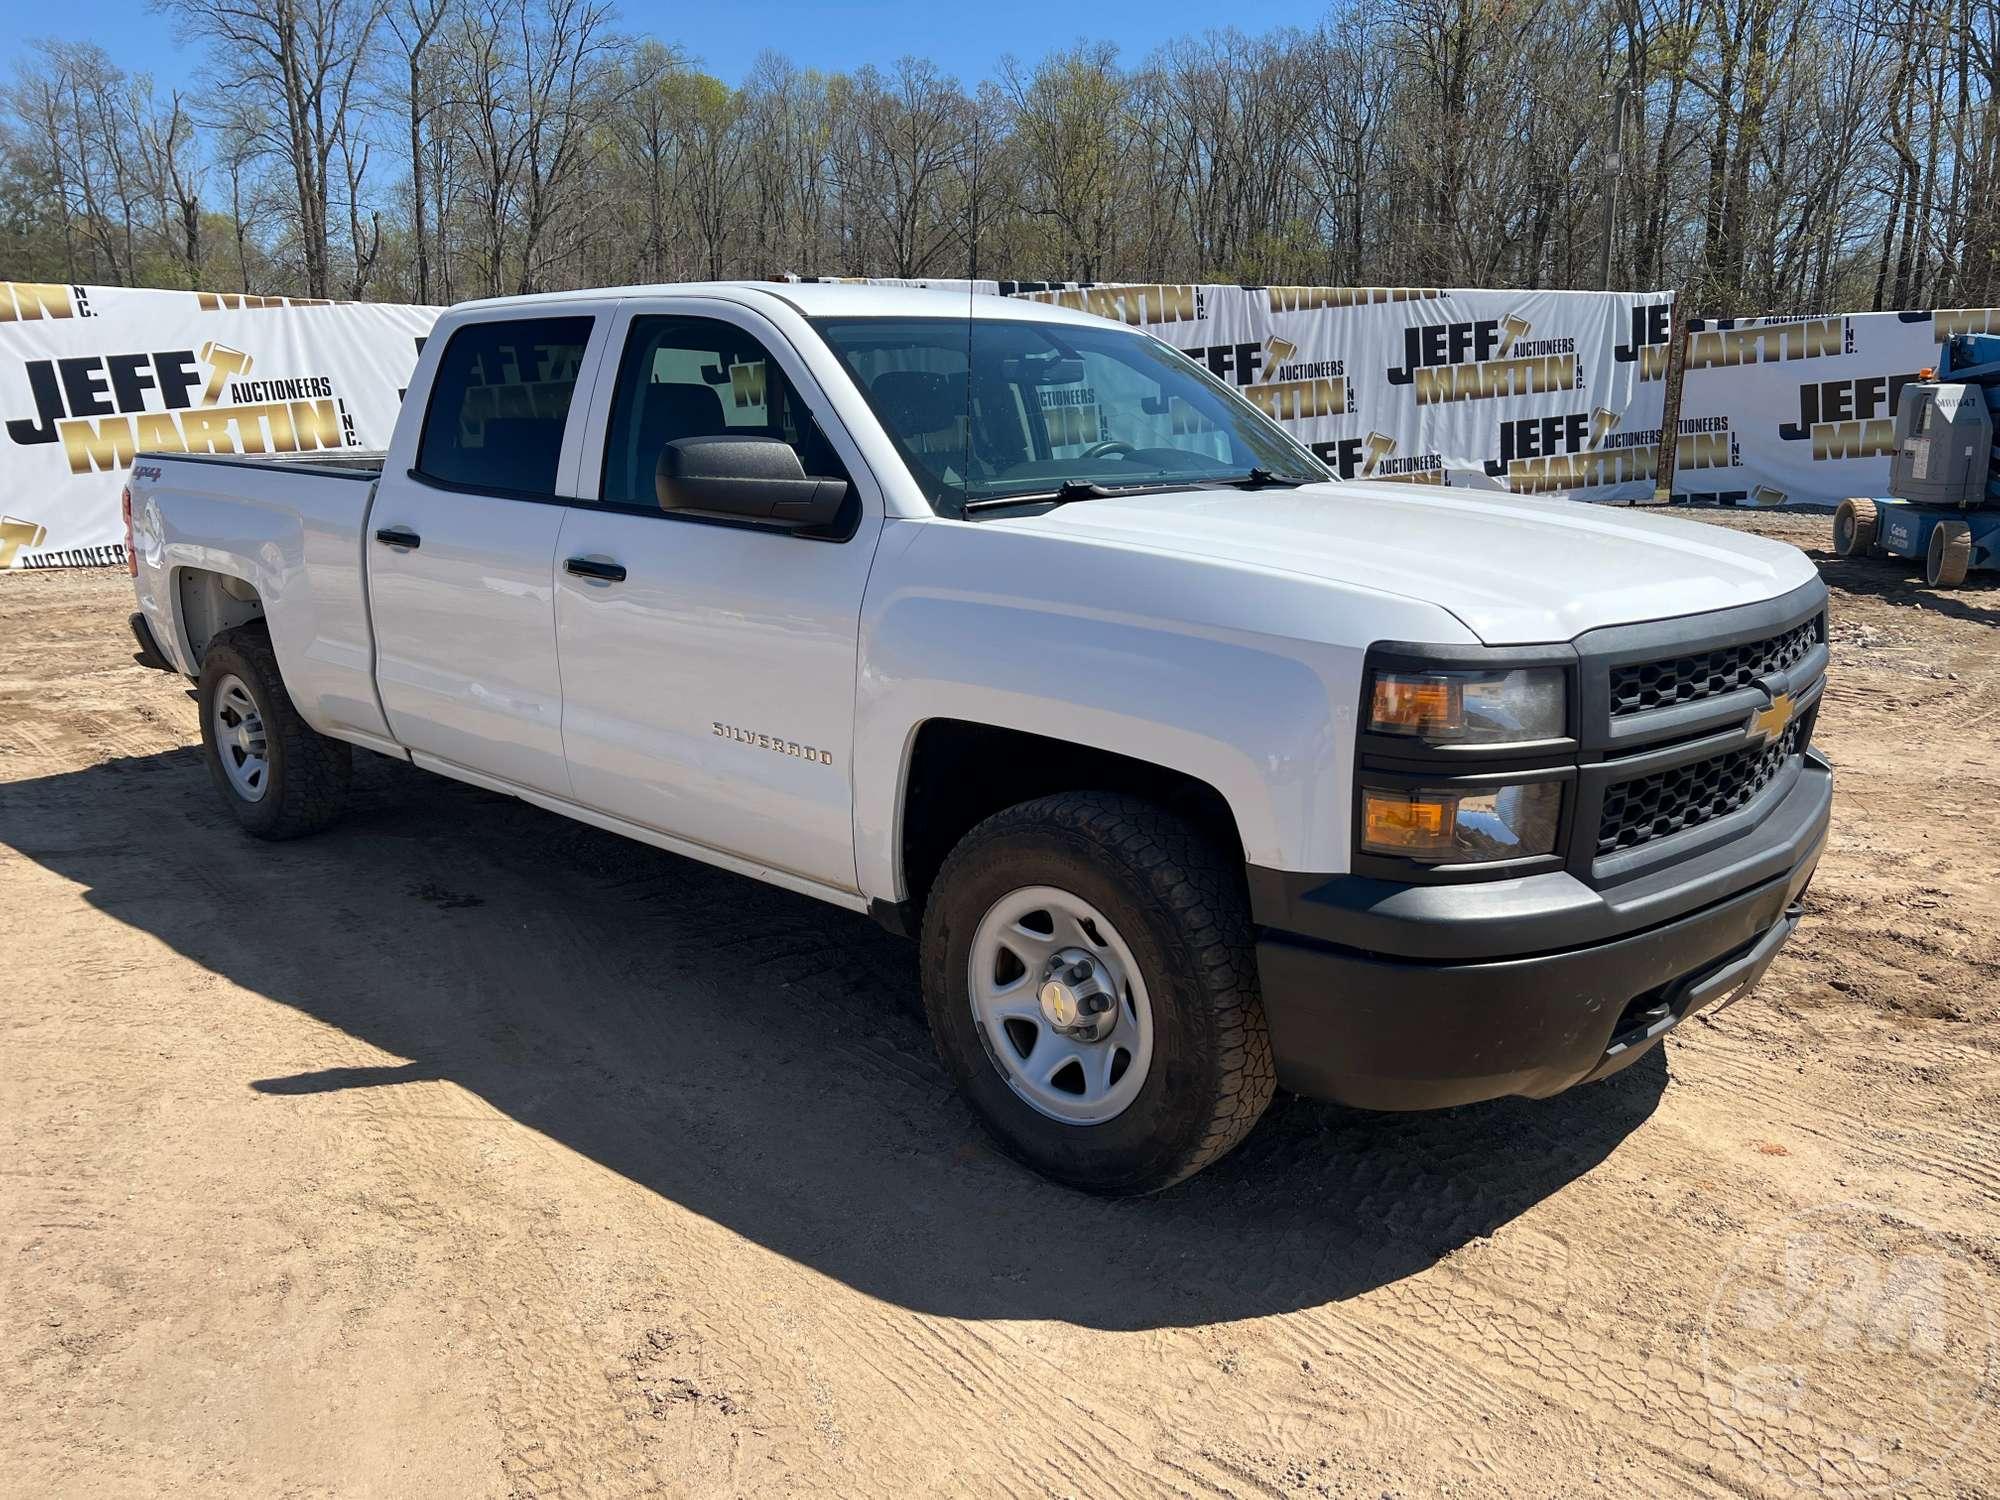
[(1376, 1021)]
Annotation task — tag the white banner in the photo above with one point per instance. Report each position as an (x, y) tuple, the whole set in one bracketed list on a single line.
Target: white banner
[(1536, 392), (90, 375), (1801, 411)]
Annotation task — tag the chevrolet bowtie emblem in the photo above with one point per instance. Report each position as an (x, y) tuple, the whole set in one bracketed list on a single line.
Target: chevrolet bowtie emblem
[(1768, 723)]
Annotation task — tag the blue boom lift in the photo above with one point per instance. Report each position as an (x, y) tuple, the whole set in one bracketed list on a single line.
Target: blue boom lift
[(1944, 474)]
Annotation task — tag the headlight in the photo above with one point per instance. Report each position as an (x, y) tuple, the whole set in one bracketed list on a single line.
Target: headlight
[(1442, 707), (1469, 826)]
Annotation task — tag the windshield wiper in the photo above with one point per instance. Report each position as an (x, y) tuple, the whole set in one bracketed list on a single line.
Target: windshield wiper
[(1075, 489), (1258, 479), (1090, 489)]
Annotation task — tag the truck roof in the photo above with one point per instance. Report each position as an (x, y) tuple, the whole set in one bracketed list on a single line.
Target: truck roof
[(820, 299)]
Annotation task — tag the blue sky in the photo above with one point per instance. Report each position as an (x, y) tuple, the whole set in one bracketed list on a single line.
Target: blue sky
[(964, 39)]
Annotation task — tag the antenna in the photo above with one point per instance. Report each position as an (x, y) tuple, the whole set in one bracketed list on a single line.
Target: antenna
[(971, 288)]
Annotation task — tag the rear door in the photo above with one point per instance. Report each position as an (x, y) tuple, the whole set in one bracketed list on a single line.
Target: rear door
[(708, 683), (461, 549)]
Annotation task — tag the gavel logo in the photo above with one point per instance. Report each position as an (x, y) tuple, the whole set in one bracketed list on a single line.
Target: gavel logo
[(224, 365), (17, 536), (1378, 446)]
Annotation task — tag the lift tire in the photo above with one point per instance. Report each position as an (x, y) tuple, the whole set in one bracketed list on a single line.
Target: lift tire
[(1854, 527), (1948, 555)]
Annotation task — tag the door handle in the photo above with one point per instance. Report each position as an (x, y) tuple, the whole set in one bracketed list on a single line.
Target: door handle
[(590, 567), (399, 536)]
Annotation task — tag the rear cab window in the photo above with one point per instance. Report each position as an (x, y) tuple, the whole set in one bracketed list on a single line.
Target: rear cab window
[(499, 405)]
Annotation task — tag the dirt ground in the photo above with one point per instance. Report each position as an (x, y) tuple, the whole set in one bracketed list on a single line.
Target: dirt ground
[(467, 1151)]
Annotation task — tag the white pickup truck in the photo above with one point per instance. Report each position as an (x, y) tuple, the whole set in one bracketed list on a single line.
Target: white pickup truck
[(1194, 771)]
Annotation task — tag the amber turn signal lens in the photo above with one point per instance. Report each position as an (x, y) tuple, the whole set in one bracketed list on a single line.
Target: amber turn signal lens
[(1419, 825), (1428, 707), (1474, 824)]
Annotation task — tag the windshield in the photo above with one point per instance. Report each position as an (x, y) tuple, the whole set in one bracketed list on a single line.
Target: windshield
[(1051, 405)]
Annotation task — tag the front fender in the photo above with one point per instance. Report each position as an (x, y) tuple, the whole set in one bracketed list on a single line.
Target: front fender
[(1219, 672)]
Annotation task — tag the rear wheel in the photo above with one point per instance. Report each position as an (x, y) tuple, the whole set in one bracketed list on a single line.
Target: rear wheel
[(279, 777), (1948, 555), (1091, 986), (1854, 527)]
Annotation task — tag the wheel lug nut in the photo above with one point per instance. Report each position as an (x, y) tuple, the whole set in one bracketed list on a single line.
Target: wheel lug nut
[(1079, 972)]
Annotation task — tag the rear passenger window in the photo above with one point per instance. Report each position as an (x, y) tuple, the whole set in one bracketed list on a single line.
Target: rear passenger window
[(499, 403)]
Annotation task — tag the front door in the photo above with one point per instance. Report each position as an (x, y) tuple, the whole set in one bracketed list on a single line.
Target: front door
[(708, 685)]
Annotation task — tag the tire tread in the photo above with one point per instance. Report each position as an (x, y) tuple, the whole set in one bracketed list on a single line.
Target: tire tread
[(1953, 557), (1860, 512)]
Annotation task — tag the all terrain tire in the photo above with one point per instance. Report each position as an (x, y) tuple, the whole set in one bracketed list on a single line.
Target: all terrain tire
[(1095, 910), (279, 778)]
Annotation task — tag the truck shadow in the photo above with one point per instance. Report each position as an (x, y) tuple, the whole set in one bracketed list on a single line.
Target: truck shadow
[(756, 1057)]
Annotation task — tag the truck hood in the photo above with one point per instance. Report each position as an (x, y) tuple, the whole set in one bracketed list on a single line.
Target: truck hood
[(1515, 571)]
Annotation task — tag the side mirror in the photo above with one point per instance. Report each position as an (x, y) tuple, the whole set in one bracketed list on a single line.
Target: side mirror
[(756, 479)]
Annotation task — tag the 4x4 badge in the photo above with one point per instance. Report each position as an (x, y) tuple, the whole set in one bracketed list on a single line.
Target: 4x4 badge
[(1768, 723)]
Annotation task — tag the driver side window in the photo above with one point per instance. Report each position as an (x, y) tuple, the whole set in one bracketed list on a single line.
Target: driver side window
[(699, 377)]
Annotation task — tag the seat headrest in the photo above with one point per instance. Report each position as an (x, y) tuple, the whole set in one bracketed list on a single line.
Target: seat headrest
[(680, 410), (919, 401)]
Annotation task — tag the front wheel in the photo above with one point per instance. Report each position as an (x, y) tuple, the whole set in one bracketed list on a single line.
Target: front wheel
[(1091, 986), (279, 777)]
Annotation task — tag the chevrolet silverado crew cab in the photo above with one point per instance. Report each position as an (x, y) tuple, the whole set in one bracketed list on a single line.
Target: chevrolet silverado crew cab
[(1194, 772)]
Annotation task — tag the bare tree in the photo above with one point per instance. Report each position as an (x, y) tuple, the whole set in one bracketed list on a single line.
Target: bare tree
[(415, 24), (1776, 154), (306, 58)]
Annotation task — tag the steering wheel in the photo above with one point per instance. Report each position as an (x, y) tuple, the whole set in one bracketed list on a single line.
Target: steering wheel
[(1109, 447)]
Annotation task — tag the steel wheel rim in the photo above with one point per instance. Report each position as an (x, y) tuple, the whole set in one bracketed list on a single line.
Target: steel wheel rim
[(240, 743), (1071, 1079)]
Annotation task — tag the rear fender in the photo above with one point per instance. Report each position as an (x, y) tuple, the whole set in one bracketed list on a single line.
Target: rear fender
[(212, 553)]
